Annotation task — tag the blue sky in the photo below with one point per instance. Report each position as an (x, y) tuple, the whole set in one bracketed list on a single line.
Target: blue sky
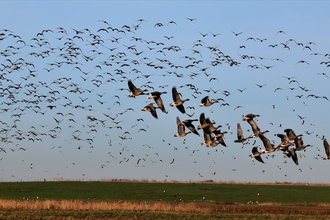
[(93, 150)]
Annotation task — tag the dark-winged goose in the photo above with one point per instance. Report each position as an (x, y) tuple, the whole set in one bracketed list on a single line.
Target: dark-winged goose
[(150, 108), (190, 126), (256, 154), (292, 153), (209, 141), (156, 96), (240, 136), (326, 148), (177, 101), (255, 129), (285, 142), (135, 91), (291, 134), (207, 102), (268, 146)]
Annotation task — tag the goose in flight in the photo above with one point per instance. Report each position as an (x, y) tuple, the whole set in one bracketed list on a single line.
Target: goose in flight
[(207, 102), (202, 121), (209, 141), (292, 153), (135, 91), (285, 142), (177, 101), (190, 126), (158, 100), (181, 128), (152, 109), (219, 136), (240, 137), (268, 146), (256, 130), (291, 134), (326, 148), (256, 154), (211, 128), (206, 124), (299, 144)]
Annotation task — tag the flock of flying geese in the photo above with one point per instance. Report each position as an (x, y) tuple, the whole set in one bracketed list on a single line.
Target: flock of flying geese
[(24, 88), (213, 135)]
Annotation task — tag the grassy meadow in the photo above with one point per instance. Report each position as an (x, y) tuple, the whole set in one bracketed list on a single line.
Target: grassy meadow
[(160, 200)]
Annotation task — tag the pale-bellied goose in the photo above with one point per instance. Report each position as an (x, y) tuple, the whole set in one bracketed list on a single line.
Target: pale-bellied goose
[(326, 148), (268, 146), (212, 128), (285, 142), (299, 144), (177, 101), (202, 121), (207, 102), (253, 124), (209, 141), (190, 126), (206, 124), (150, 108), (256, 154), (135, 91), (156, 96), (181, 128)]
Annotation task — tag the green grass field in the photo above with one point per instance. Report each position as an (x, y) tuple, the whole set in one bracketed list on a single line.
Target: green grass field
[(144, 191), (127, 200)]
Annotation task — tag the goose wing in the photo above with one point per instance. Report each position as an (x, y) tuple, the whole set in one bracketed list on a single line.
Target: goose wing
[(326, 147), (219, 135), (153, 111), (207, 138), (131, 86), (283, 137), (256, 154), (208, 126), (294, 156), (202, 121), (239, 132), (266, 142), (209, 141), (221, 141), (250, 116), (181, 129), (292, 153), (254, 126), (159, 100), (298, 142), (175, 94), (181, 109), (290, 134), (160, 104), (205, 101), (190, 126), (150, 108), (178, 121)]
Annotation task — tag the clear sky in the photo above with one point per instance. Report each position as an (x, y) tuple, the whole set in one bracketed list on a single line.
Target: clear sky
[(79, 55)]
